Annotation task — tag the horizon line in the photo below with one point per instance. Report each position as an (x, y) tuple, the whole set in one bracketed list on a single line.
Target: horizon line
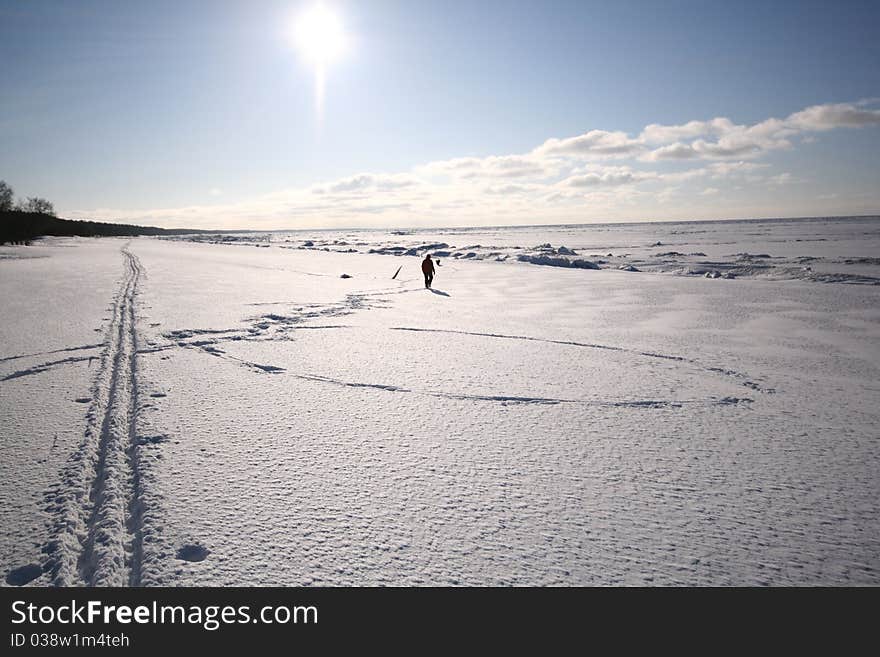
[(496, 226)]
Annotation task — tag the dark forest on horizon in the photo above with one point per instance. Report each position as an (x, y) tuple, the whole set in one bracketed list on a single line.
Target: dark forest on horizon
[(30, 218), (23, 227)]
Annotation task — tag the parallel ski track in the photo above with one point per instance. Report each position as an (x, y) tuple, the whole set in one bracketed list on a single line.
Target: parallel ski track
[(97, 507)]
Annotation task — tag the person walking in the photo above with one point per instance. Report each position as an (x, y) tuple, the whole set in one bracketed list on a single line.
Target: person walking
[(428, 270)]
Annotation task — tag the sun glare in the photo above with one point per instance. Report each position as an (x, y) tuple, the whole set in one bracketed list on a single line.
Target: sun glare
[(319, 35)]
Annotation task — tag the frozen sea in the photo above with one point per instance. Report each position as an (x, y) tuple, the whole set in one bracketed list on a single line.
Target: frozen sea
[(660, 404)]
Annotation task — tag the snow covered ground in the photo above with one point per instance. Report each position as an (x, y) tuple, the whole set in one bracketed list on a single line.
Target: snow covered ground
[(230, 410)]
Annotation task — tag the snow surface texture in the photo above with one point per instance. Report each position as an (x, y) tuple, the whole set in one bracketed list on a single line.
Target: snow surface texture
[(819, 250), (188, 413)]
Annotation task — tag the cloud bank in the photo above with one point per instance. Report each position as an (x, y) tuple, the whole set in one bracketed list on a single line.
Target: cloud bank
[(597, 175)]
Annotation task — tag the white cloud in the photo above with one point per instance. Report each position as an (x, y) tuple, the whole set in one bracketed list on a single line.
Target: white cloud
[(595, 143), (561, 179), (663, 134), (494, 166), (725, 148), (716, 171), (676, 151), (721, 138), (504, 190), (828, 117), (731, 140), (610, 177), (366, 182), (722, 169)]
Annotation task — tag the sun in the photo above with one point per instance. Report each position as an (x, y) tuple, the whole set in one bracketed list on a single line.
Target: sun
[(319, 35)]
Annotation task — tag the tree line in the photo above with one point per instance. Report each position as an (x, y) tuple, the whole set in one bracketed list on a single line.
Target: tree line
[(33, 204), (28, 219)]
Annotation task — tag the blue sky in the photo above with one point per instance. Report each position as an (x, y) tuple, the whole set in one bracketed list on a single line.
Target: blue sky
[(203, 114)]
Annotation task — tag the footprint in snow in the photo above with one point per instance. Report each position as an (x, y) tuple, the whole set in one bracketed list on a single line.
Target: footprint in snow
[(151, 440), (23, 575), (193, 552)]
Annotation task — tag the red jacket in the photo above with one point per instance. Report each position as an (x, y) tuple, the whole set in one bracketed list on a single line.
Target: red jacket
[(427, 266)]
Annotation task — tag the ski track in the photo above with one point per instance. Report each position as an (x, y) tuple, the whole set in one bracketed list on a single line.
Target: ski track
[(272, 326), (96, 509), (56, 351), (508, 399), (45, 367), (745, 380), (208, 348)]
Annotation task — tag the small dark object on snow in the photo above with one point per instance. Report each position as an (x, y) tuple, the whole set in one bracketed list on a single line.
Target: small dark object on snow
[(345, 276), (193, 553), (23, 575)]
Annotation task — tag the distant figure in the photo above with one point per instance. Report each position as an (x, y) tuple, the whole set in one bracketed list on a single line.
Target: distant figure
[(428, 270)]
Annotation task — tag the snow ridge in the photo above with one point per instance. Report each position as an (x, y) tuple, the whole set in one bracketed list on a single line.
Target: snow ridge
[(97, 507)]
